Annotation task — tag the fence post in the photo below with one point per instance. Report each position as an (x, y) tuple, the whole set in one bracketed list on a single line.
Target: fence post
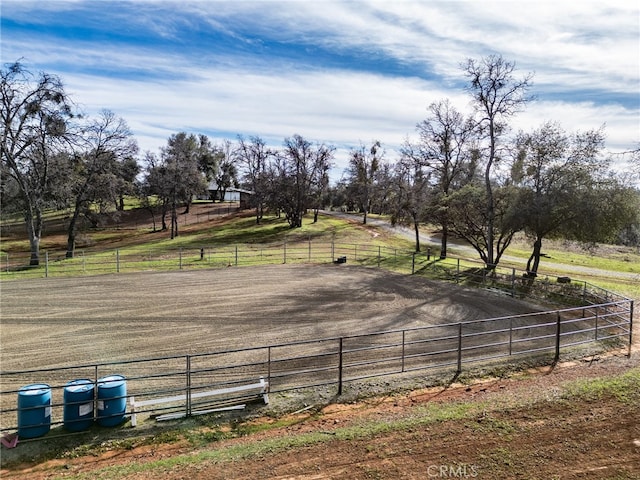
[(630, 328), (557, 356), (340, 368), (188, 386), (403, 348), (459, 370), (379, 256), (236, 255), (95, 390), (84, 263), (269, 365), (510, 336), (118, 261), (180, 259), (458, 272), (46, 264), (413, 263), (309, 248)]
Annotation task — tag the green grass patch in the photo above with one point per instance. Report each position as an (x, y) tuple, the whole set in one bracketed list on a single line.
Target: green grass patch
[(624, 388)]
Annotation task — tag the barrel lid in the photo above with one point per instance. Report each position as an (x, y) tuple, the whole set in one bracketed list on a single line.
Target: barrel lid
[(79, 385), (111, 381), (34, 389)]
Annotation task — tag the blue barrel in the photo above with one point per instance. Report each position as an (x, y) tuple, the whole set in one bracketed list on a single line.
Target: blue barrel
[(34, 410), (78, 405), (112, 400)]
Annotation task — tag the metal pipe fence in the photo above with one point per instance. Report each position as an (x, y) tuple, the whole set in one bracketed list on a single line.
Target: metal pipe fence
[(510, 281), (334, 362), (595, 317)]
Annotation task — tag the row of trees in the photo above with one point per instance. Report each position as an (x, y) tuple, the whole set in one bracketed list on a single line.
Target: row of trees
[(52, 157), (468, 174), (474, 178)]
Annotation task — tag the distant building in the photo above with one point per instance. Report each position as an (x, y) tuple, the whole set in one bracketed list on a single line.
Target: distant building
[(232, 194)]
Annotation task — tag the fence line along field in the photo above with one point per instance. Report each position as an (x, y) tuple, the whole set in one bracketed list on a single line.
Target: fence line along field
[(69, 321)]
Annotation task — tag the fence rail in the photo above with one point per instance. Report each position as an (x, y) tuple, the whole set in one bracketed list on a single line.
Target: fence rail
[(561, 291), (335, 361)]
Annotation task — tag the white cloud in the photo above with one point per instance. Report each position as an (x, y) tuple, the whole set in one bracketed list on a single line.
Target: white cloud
[(574, 48)]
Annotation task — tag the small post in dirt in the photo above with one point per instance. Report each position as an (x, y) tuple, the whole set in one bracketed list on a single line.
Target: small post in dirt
[(403, 348), (459, 371), (340, 367), (557, 356), (269, 365), (118, 261), (188, 386), (46, 264), (630, 328)]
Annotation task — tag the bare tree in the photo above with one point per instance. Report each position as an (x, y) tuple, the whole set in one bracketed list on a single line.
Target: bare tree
[(413, 189), (363, 165), (301, 171), (497, 96), (94, 177), (253, 156), (183, 177), (446, 157), (34, 117), (226, 175)]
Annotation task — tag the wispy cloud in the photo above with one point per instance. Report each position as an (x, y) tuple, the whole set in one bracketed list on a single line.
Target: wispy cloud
[(340, 72)]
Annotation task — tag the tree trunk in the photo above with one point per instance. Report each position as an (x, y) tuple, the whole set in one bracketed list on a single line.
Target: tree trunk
[(174, 222), (34, 229), (416, 228), (490, 262), (153, 218), (71, 233), (443, 241), (532, 270)]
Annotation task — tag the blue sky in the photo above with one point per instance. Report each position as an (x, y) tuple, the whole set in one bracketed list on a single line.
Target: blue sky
[(338, 72)]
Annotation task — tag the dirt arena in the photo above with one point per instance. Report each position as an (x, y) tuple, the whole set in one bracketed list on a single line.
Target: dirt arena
[(515, 432), (68, 321)]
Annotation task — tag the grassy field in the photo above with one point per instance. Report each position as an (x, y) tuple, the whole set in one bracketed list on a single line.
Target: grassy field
[(611, 267)]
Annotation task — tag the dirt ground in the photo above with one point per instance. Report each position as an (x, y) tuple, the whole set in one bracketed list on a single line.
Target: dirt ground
[(516, 432), (65, 321)]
